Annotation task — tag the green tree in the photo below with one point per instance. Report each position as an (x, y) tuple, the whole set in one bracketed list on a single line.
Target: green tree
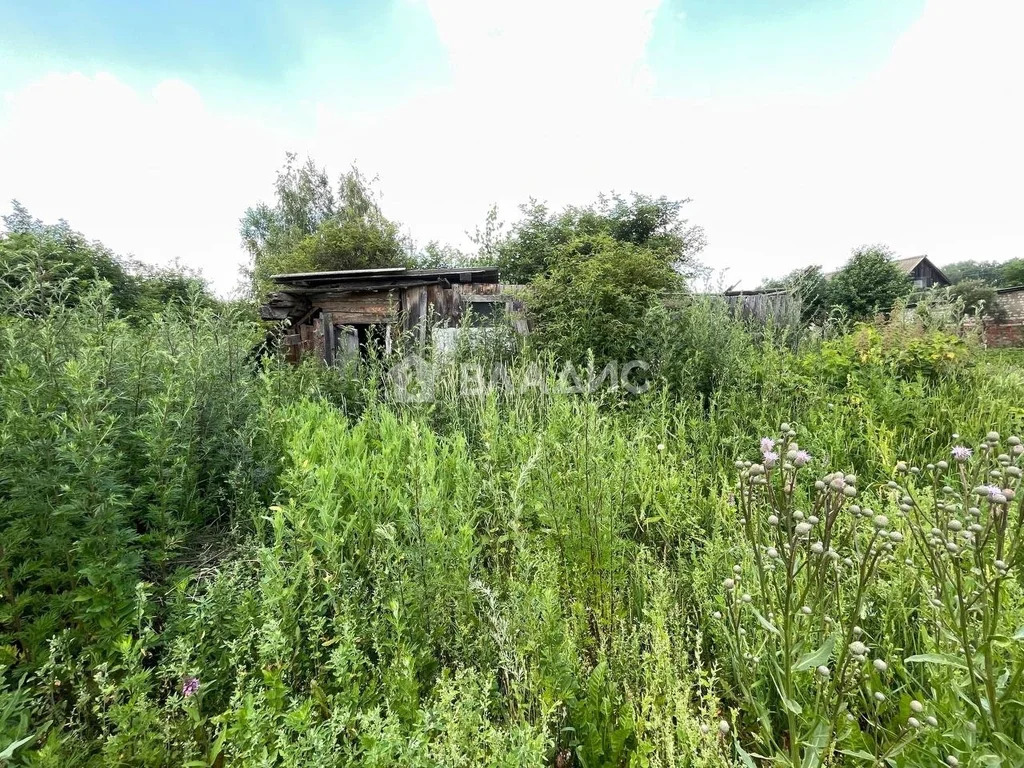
[(313, 227), (595, 295), (1012, 274), (978, 298), (987, 272), (59, 259), (811, 285), (869, 283), (652, 224)]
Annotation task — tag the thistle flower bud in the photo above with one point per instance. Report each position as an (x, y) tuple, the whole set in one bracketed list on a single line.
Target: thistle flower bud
[(772, 552), (773, 519), (802, 529), (817, 548), (737, 569), (824, 671), (880, 665), (784, 427), (879, 696), (857, 648), (931, 720), (880, 521), (747, 598), (798, 515), (729, 583), (755, 470), (992, 437), (954, 525), (723, 727), (896, 537), (849, 491), (1013, 440), (806, 610), (913, 722), (917, 706), (943, 465), (717, 614), (901, 466), (819, 485), (813, 520), (952, 762)]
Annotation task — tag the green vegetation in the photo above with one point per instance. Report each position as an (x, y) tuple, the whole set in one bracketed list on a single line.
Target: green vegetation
[(789, 550)]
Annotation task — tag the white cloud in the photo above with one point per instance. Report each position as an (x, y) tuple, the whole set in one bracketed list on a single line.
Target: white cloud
[(153, 173), (554, 100)]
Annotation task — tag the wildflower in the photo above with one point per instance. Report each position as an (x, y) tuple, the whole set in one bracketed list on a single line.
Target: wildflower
[(961, 453), (190, 686), (771, 458), (661, 447), (717, 614), (801, 459), (767, 444)]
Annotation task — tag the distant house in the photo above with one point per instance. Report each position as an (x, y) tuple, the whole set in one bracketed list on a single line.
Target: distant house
[(920, 269), (924, 274)]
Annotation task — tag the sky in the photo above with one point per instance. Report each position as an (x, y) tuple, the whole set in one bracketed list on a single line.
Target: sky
[(799, 129)]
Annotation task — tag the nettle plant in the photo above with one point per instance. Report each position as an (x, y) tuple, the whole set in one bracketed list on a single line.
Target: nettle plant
[(804, 665), (964, 518)]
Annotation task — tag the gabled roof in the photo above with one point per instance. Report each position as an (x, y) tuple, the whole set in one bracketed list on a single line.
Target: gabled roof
[(910, 264), (907, 266)]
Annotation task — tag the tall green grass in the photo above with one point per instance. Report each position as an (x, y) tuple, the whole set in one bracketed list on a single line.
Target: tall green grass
[(211, 561)]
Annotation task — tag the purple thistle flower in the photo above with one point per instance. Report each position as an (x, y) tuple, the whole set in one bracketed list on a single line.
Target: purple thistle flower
[(801, 459), (961, 453), (767, 444), (190, 687), (992, 491), (771, 458)]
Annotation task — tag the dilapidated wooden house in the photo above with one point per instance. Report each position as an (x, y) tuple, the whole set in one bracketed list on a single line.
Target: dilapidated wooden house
[(339, 315)]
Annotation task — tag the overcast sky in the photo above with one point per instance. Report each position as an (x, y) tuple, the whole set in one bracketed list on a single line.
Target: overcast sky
[(799, 128)]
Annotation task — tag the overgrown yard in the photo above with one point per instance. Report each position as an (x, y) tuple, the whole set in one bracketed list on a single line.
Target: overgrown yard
[(803, 557)]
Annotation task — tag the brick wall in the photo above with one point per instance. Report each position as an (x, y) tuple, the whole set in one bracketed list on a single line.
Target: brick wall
[(1010, 332)]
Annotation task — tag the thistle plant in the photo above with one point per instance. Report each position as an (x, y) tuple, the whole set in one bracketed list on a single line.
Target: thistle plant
[(964, 517), (793, 612)]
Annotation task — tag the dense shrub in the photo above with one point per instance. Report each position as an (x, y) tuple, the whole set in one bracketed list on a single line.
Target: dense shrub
[(118, 442)]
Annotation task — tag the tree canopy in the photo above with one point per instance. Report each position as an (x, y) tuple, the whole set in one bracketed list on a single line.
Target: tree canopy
[(315, 226), (654, 225), (60, 259)]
